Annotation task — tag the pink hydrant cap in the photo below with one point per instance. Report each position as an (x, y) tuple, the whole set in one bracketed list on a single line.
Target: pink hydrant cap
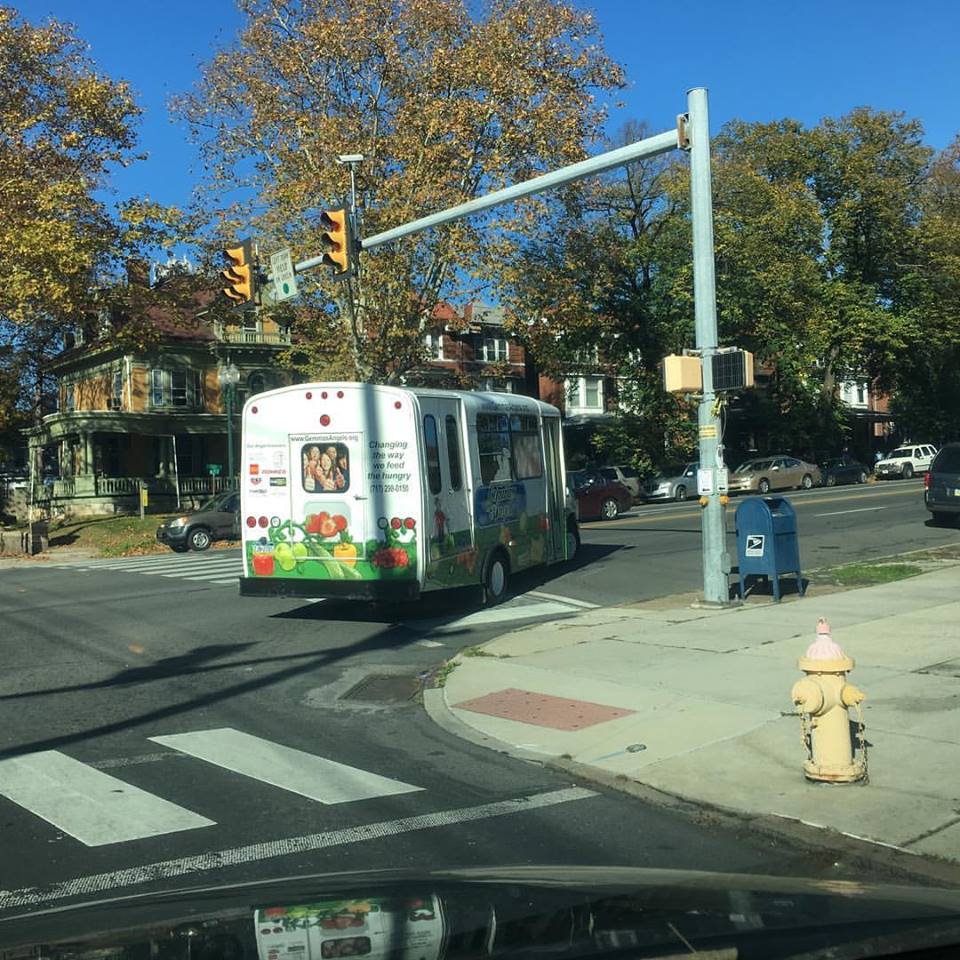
[(824, 647)]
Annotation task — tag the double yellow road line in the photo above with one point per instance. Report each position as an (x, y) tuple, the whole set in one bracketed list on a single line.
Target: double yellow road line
[(798, 503)]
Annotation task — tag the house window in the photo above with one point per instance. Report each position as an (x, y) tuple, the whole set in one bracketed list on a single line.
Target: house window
[(585, 394), (70, 398), (861, 393), (434, 344), (176, 388), (156, 388), (496, 385), (116, 394), (256, 384), (494, 349)]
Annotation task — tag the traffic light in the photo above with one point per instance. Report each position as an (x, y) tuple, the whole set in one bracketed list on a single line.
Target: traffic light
[(337, 241), (241, 274)]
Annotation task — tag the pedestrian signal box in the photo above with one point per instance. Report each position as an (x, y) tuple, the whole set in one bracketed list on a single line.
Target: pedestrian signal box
[(682, 374)]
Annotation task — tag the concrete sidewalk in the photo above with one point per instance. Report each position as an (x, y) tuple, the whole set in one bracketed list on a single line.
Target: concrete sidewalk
[(696, 703)]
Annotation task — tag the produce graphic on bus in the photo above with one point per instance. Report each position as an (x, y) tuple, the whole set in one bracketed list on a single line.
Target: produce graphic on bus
[(396, 491)]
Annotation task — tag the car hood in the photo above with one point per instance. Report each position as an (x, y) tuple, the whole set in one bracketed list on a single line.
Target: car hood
[(495, 912)]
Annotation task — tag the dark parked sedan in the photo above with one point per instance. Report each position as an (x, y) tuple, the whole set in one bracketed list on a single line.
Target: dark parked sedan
[(598, 496), (218, 519), (843, 471), (942, 485)]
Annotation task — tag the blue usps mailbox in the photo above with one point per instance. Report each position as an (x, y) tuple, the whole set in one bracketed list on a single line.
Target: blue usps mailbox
[(767, 543)]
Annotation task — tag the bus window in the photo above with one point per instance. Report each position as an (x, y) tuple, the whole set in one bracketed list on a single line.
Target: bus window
[(493, 446), (525, 432), (433, 453), (453, 453)]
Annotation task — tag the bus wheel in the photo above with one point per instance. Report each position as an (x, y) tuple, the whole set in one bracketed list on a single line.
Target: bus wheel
[(495, 578), (573, 540)]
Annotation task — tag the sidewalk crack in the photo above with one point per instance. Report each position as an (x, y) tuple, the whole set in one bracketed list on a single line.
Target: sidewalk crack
[(930, 833)]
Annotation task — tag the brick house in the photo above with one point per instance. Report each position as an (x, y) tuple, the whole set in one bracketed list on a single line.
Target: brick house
[(155, 414)]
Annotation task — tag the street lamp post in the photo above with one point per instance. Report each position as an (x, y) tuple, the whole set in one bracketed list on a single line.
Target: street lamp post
[(229, 377)]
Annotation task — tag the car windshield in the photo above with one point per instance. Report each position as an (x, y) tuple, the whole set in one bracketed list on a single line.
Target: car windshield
[(306, 307), (901, 452), (218, 502)]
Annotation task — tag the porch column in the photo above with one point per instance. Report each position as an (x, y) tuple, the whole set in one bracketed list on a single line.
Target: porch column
[(87, 440)]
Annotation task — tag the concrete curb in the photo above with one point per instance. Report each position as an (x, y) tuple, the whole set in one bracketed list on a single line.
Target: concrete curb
[(847, 852)]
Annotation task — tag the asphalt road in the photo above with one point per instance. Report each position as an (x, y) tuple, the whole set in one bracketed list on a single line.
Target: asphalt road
[(149, 714), (654, 550)]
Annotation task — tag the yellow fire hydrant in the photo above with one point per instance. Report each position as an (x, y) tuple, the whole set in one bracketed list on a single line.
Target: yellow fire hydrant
[(823, 698)]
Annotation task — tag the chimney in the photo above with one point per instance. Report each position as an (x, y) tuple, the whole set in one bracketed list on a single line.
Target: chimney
[(138, 272)]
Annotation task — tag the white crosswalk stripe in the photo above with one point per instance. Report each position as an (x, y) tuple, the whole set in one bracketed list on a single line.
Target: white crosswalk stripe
[(88, 804), (314, 777), (219, 568), (97, 808)]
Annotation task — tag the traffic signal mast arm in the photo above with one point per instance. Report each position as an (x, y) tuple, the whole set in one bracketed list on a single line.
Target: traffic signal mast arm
[(650, 147)]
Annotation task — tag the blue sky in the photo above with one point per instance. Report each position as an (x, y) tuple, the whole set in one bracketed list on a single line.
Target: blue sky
[(760, 59)]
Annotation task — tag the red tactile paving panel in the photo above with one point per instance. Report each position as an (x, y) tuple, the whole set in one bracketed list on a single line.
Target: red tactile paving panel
[(542, 710)]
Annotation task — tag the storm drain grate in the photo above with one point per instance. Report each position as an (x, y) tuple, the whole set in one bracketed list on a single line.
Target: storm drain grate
[(383, 688)]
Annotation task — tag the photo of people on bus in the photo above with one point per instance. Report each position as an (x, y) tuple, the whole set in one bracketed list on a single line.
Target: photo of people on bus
[(346, 947), (326, 467)]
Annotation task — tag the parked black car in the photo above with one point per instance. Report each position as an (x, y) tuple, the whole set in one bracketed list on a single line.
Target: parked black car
[(839, 470), (217, 519), (942, 485)]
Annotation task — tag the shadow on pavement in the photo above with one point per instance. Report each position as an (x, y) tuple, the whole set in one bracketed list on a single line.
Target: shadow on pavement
[(299, 663)]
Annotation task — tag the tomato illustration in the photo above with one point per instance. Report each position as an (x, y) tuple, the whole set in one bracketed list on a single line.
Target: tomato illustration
[(340, 521), (391, 558), (312, 523), (263, 564), (409, 523), (327, 527)]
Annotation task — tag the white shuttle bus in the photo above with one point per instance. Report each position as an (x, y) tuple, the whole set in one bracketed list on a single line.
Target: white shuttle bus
[(373, 492)]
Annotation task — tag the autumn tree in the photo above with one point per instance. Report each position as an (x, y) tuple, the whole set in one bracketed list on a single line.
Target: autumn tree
[(926, 379), (63, 127), (832, 243), (445, 99), (594, 299)]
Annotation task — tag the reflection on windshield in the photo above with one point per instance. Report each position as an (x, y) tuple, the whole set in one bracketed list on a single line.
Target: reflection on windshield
[(666, 916), (751, 465)]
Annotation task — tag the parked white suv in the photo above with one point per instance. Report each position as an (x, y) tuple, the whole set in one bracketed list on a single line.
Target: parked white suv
[(628, 476), (905, 461)]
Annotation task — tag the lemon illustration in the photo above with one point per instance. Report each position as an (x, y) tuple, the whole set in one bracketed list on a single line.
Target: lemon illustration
[(300, 551), (283, 553)]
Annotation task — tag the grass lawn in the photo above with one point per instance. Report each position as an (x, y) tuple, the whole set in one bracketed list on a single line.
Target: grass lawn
[(111, 536), (857, 574)]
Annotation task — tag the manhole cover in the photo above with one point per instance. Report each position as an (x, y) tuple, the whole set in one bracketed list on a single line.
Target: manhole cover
[(382, 688), (948, 668)]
